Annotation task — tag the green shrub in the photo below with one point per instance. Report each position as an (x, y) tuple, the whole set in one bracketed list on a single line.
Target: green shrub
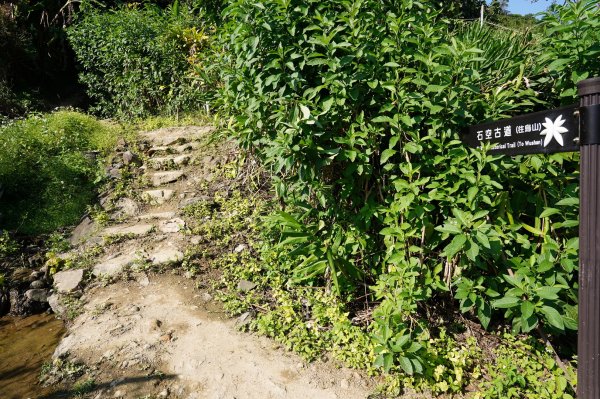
[(46, 178), (135, 60), (358, 106)]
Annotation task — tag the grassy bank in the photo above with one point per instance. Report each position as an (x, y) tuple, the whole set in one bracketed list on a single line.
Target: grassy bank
[(50, 168)]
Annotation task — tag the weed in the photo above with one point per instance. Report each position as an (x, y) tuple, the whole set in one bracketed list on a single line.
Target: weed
[(8, 246), (82, 387)]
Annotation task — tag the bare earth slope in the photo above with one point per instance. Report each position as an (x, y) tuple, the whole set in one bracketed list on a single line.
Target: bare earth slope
[(157, 335)]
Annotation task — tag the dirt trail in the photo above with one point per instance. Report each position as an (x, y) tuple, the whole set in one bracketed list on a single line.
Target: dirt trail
[(157, 335)]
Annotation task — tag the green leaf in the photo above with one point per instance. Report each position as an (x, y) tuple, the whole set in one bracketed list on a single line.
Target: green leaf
[(506, 302), (483, 239), (457, 244), (449, 228), (406, 365), (386, 154), (553, 317), (549, 212), (568, 202), (548, 292), (305, 111), (473, 250), (527, 309)]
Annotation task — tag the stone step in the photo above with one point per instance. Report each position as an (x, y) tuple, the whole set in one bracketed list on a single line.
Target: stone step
[(176, 135), (157, 215), (157, 197), (172, 225), (137, 230), (168, 162), (165, 256), (114, 265), (177, 149), (161, 178)]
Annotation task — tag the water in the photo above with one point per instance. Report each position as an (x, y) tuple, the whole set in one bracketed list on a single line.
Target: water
[(25, 344)]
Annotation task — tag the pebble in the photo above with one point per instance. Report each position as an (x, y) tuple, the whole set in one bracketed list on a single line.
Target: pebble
[(37, 284), (240, 248), (119, 394), (245, 285), (344, 384)]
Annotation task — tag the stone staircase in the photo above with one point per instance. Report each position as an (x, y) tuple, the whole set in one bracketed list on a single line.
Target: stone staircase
[(167, 165)]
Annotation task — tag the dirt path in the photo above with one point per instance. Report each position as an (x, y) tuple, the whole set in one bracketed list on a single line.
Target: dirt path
[(157, 335), (164, 338)]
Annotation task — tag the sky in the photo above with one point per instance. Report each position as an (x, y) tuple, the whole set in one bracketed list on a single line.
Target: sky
[(527, 6)]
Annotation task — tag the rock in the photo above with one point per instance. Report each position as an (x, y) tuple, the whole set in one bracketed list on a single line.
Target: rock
[(126, 207), (164, 393), (64, 347), (68, 280), (37, 284), (157, 215), (166, 337), (171, 135), (194, 200), (244, 319), (154, 325), (131, 158), (35, 260), (171, 226), (37, 295), (165, 162), (166, 256), (158, 197), (245, 285), (135, 230), (56, 304), (186, 147), (21, 275), (119, 394), (115, 265), (240, 248), (143, 280), (206, 297), (344, 384), (160, 178), (114, 173), (159, 150), (83, 231), (91, 155)]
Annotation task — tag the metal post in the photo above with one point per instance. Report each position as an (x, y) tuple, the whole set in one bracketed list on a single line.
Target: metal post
[(481, 15), (588, 341)]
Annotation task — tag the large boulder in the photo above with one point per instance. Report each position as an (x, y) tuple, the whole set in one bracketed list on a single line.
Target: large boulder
[(68, 280)]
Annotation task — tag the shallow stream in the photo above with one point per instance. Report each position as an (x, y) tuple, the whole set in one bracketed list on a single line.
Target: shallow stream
[(25, 344)]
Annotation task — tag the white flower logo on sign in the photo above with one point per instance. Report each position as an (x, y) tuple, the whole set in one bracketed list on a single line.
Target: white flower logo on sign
[(554, 129)]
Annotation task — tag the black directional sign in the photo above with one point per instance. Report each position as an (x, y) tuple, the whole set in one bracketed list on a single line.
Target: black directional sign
[(550, 131)]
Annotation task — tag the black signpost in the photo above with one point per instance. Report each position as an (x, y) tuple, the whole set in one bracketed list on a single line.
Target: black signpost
[(572, 128)]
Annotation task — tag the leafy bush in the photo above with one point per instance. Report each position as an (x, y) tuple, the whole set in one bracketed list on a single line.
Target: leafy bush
[(357, 107), (135, 60), (47, 180)]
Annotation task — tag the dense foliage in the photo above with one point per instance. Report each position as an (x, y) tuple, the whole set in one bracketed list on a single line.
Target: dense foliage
[(357, 107), (135, 60), (46, 179)]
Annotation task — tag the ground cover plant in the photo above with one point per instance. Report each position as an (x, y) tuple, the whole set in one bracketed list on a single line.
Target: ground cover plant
[(50, 167), (357, 108)]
